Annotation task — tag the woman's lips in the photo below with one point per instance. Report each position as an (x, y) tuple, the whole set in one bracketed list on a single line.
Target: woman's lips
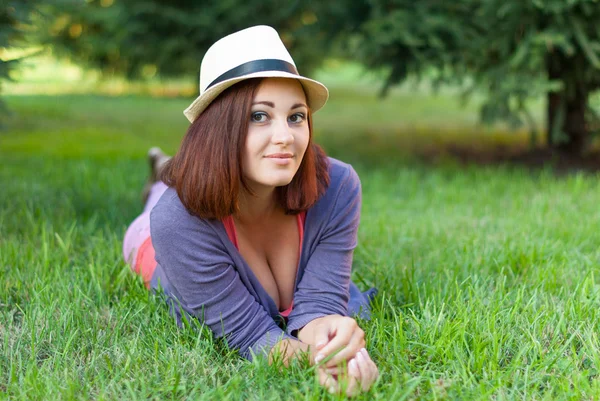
[(280, 158)]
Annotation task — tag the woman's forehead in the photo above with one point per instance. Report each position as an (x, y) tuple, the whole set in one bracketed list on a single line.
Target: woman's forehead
[(280, 88)]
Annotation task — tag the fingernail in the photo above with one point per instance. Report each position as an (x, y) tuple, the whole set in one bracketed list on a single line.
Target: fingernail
[(352, 364), (360, 356), (363, 350), (331, 390), (319, 358)]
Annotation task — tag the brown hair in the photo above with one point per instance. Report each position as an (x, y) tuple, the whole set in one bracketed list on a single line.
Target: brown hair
[(207, 172)]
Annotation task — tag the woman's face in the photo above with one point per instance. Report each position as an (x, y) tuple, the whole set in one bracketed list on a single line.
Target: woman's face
[(278, 133)]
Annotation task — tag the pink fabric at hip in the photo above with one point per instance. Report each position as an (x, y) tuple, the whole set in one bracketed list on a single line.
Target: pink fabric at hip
[(139, 230)]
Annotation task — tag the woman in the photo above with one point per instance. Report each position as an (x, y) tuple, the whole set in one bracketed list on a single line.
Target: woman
[(255, 227)]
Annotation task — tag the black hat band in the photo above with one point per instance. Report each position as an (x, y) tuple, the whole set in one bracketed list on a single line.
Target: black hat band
[(255, 66)]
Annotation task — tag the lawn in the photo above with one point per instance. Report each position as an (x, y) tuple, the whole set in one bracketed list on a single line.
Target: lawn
[(487, 275)]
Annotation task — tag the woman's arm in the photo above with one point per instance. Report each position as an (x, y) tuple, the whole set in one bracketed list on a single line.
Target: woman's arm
[(321, 299), (205, 282)]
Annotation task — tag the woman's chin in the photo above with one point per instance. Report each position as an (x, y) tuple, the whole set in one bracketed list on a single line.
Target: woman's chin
[(281, 181), (273, 180)]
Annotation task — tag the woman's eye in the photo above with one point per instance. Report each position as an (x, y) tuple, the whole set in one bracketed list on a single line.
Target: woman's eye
[(297, 118), (259, 117)]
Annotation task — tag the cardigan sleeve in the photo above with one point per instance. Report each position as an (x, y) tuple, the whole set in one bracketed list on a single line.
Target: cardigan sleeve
[(325, 285), (206, 284)]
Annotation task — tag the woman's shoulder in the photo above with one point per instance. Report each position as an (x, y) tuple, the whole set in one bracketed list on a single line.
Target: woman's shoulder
[(341, 175), (344, 188), (170, 215), (169, 204)]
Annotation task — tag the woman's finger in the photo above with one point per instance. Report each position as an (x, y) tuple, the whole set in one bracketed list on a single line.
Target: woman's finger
[(335, 371), (373, 367), (328, 381), (340, 332), (356, 342), (368, 369), (364, 368), (321, 335), (353, 378)]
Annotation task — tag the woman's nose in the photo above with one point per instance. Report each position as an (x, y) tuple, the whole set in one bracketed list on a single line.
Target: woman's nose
[(282, 133)]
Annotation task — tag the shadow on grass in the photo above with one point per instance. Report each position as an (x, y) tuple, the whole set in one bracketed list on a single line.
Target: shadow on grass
[(447, 148)]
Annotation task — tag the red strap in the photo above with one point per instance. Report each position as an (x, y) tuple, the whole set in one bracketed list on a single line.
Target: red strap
[(230, 228)]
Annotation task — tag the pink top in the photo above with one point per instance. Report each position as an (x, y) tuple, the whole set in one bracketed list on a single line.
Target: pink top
[(231, 233)]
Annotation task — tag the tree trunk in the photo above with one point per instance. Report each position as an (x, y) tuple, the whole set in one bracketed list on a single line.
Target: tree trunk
[(573, 125), (566, 108), (552, 110)]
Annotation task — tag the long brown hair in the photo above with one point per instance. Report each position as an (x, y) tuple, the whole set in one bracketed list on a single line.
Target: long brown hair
[(207, 172)]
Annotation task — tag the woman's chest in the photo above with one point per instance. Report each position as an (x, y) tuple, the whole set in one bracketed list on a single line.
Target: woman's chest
[(272, 251)]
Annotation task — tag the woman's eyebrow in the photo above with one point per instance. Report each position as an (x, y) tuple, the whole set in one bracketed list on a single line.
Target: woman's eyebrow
[(270, 104)]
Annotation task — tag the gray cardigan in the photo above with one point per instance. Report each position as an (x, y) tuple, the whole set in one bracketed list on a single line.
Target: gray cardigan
[(203, 272)]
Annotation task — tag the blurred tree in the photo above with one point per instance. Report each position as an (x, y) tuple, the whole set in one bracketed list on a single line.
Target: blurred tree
[(14, 17), (167, 37), (514, 50)]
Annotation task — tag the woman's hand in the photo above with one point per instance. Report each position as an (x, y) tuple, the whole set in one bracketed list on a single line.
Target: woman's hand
[(359, 376), (334, 336)]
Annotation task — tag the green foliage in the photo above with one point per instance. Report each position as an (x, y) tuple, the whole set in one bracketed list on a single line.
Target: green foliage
[(512, 51), (505, 48), (534, 48), (145, 37), (14, 17)]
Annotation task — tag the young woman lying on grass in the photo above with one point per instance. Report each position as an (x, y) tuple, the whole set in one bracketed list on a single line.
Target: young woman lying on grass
[(252, 228)]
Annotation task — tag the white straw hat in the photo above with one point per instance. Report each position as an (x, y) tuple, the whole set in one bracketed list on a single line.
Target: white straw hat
[(255, 52)]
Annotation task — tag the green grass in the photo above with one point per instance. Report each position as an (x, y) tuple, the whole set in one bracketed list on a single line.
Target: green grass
[(487, 275)]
